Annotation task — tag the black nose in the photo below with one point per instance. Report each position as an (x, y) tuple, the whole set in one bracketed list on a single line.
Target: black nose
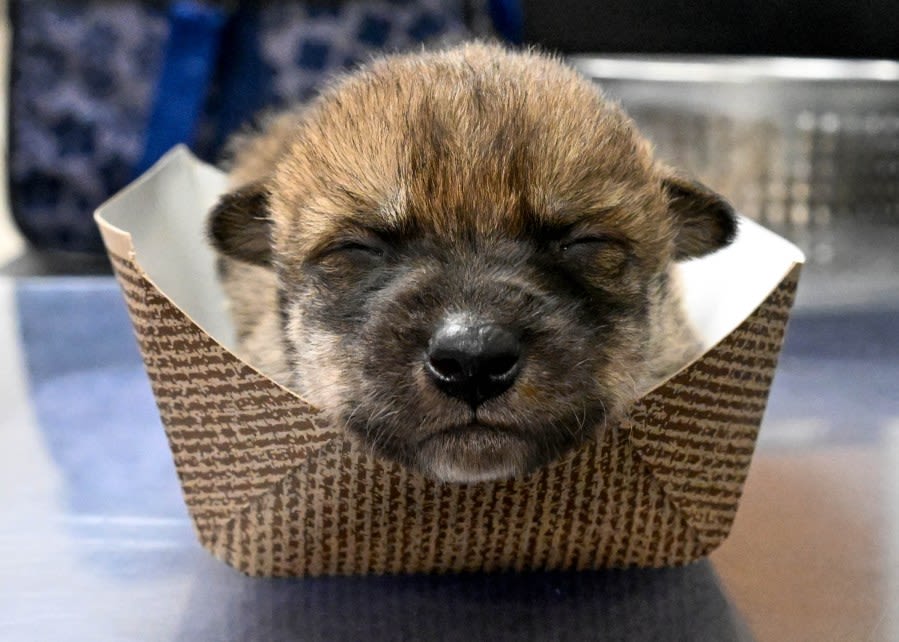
[(473, 362)]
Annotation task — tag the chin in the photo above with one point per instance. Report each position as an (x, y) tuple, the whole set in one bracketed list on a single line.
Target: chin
[(475, 453)]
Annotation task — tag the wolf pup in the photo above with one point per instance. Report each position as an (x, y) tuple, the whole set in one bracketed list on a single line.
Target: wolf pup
[(466, 257)]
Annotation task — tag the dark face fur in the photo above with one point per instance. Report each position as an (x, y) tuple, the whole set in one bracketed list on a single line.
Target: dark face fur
[(469, 247)]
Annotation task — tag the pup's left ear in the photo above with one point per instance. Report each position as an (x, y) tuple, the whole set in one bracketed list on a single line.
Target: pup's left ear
[(239, 225), (705, 221)]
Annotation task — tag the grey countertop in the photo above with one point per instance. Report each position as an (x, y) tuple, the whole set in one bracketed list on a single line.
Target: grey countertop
[(95, 543)]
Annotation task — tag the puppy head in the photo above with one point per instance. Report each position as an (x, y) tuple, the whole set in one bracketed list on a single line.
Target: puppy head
[(469, 244)]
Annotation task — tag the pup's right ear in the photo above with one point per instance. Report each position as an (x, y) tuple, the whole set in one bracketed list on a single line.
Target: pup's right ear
[(239, 225)]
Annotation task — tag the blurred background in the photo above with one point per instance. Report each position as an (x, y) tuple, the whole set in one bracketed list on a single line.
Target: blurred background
[(788, 107)]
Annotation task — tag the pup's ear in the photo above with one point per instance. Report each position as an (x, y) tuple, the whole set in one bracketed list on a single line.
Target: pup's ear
[(705, 221), (239, 225)]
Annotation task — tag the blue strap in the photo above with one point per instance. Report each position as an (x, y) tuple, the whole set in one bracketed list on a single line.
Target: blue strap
[(508, 19), (243, 88), (189, 62)]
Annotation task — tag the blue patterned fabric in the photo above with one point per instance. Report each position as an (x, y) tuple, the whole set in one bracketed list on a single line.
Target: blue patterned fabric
[(191, 49), (82, 81), (85, 74)]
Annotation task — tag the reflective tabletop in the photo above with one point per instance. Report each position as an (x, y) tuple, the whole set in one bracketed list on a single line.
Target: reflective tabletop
[(95, 543)]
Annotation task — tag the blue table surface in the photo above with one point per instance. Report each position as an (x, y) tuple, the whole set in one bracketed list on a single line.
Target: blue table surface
[(95, 542)]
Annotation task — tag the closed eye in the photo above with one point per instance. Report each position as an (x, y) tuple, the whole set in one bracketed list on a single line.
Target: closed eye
[(354, 250), (592, 243), (357, 246), (598, 253), (588, 242)]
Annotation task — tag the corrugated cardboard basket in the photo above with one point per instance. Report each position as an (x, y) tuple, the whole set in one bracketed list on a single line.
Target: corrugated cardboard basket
[(274, 490)]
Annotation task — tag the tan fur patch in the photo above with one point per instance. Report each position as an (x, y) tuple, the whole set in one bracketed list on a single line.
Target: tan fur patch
[(479, 181)]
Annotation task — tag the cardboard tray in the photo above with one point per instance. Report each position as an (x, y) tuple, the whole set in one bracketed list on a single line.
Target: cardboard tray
[(274, 490)]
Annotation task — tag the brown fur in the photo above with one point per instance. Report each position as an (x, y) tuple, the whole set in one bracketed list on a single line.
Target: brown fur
[(472, 182)]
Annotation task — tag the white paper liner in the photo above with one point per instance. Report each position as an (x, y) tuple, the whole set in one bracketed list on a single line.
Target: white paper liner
[(165, 211)]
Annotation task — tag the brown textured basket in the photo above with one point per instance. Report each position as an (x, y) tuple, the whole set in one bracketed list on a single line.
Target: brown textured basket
[(274, 490)]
